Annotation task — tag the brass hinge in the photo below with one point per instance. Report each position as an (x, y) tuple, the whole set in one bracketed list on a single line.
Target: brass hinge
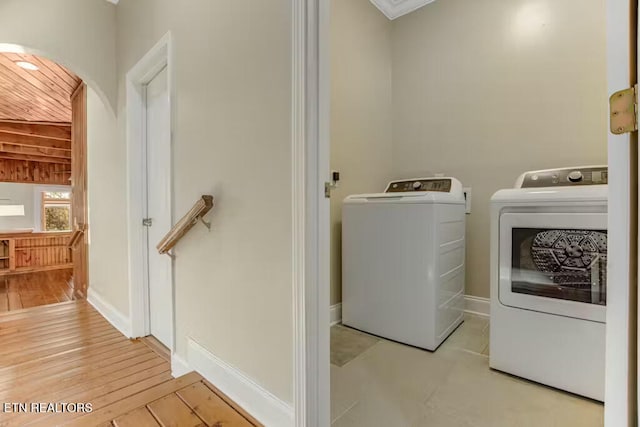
[(623, 107)]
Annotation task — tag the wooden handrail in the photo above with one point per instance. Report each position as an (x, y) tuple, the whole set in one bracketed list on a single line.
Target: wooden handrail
[(195, 214), (75, 237)]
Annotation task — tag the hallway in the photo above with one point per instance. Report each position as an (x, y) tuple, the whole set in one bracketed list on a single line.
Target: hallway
[(68, 355)]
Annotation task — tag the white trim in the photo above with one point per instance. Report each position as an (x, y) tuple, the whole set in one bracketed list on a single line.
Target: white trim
[(249, 395), (37, 201), (159, 56), (310, 211), (109, 312), (620, 394), (298, 217), (393, 9), (179, 366), (335, 314), (478, 306)]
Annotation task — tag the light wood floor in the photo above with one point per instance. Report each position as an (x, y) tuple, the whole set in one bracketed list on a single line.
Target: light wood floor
[(27, 290), (69, 353)]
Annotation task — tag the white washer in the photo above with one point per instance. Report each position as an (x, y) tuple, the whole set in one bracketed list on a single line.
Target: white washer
[(548, 279), (403, 261)]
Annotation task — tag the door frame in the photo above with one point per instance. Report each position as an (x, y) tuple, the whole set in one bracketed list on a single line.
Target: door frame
[(310, 211), (310, 220), (79, 191), (620, 387), (158, 57)]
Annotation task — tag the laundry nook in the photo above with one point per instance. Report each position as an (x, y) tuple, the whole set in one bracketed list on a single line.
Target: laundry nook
[(469, 225)]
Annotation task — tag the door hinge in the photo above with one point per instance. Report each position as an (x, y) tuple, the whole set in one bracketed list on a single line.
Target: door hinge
[(623, 111), (147, 222), (328, 186)]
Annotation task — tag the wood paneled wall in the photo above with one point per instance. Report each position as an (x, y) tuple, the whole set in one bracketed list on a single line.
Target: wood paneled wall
[(28, 252), (35, 153), (34, 172), (37, 253)]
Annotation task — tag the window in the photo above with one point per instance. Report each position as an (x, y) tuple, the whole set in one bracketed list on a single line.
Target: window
[(56, 211)]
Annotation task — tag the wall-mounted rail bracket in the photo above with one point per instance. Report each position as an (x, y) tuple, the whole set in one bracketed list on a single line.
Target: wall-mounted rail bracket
[(206, 223), (195, 214)]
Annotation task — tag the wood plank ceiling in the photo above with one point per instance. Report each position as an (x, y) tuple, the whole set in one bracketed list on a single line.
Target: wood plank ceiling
[(42, 95), (35, 119)]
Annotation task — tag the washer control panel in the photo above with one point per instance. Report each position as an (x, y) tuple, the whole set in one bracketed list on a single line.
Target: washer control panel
[(591, 175), (420, 184)]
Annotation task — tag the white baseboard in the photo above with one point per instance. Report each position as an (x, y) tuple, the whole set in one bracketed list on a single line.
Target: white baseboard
[(477, 305), (472, 305), (335, 314), (179, 366), (109, 312), (253, 398)]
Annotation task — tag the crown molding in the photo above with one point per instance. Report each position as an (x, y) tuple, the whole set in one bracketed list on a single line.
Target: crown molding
[(393, 9)]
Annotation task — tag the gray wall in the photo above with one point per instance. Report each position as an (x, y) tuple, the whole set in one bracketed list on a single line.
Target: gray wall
[(107, 201), (18, 194), (360, 110), (482, 91), (231, 139), (486, 90)]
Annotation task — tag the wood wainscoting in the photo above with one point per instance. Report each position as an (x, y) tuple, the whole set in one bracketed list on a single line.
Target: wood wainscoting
[(34, 252), (68, 353)]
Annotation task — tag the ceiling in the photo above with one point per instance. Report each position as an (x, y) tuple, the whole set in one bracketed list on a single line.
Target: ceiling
[(396, 8), (42, 95)]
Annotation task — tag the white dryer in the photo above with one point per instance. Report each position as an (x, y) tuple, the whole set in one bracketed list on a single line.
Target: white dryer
[(548, 278), (403, 255)]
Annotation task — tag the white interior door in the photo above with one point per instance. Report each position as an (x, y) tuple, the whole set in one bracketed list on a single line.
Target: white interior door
[(158, 210)]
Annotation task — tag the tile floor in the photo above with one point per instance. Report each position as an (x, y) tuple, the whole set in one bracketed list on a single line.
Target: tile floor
[(393, 385)]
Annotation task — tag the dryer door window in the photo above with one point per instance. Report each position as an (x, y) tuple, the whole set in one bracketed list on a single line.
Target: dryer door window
[(554, 263), (568, 264)]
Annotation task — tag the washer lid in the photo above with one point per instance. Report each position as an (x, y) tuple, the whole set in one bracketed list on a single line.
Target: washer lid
[(415, 190), (422, 197)]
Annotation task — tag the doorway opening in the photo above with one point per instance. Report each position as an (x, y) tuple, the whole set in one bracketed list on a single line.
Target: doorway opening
[(407, 108), (43, 191)]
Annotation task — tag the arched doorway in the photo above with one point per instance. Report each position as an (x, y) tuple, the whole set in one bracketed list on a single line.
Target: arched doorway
[(43, 182)]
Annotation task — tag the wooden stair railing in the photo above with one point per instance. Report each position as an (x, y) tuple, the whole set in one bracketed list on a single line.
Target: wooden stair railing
[(76, 236), (195, 214)]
